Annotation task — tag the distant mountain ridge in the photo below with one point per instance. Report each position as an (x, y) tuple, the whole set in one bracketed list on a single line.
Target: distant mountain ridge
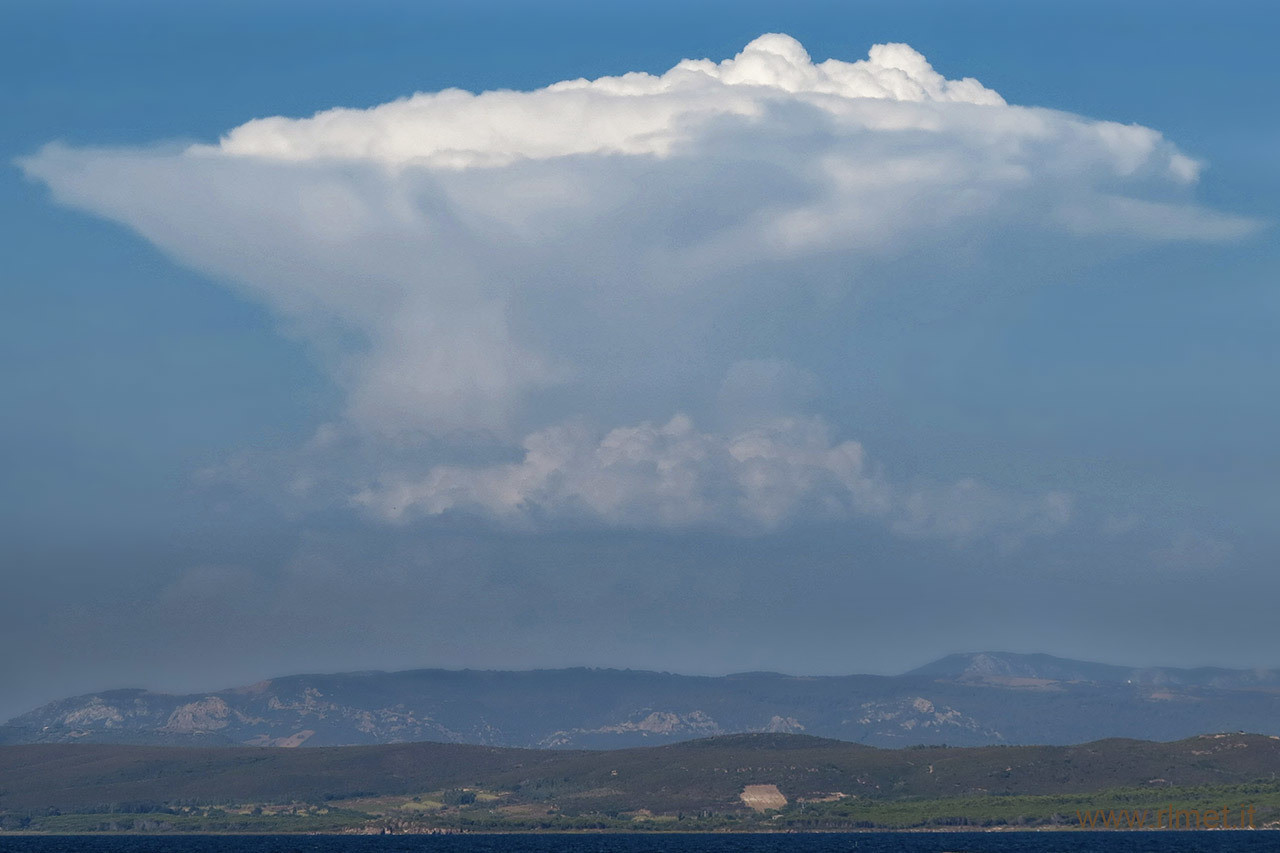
[(1047, 667), (973, 699)]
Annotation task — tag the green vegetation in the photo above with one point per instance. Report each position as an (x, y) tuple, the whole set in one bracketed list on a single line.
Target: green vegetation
[(1030, 811), (256, 819), (495, 811), (695, 786)]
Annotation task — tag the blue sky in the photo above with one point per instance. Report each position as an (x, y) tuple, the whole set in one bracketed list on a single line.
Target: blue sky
[(1063, 433)]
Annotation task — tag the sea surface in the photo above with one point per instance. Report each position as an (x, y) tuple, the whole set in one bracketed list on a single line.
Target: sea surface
[(862, 842)]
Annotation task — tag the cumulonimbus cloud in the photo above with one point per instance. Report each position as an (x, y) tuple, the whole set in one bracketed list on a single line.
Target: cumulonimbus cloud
[(502, 262)]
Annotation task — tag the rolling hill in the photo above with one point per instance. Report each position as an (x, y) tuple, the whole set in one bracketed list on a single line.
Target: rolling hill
[(702, 776)]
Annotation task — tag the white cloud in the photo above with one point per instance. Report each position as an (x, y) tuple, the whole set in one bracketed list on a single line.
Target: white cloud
[(635, 114), (495, 263), (674, 476), (668, 475)]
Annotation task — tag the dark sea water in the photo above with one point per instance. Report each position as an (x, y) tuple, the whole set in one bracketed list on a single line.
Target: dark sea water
[(951, 842)]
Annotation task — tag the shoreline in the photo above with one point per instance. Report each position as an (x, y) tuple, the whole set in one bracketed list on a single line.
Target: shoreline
[(643, 832)]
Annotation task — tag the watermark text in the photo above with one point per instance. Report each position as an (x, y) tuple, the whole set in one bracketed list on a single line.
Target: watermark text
[(1168, 818)]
